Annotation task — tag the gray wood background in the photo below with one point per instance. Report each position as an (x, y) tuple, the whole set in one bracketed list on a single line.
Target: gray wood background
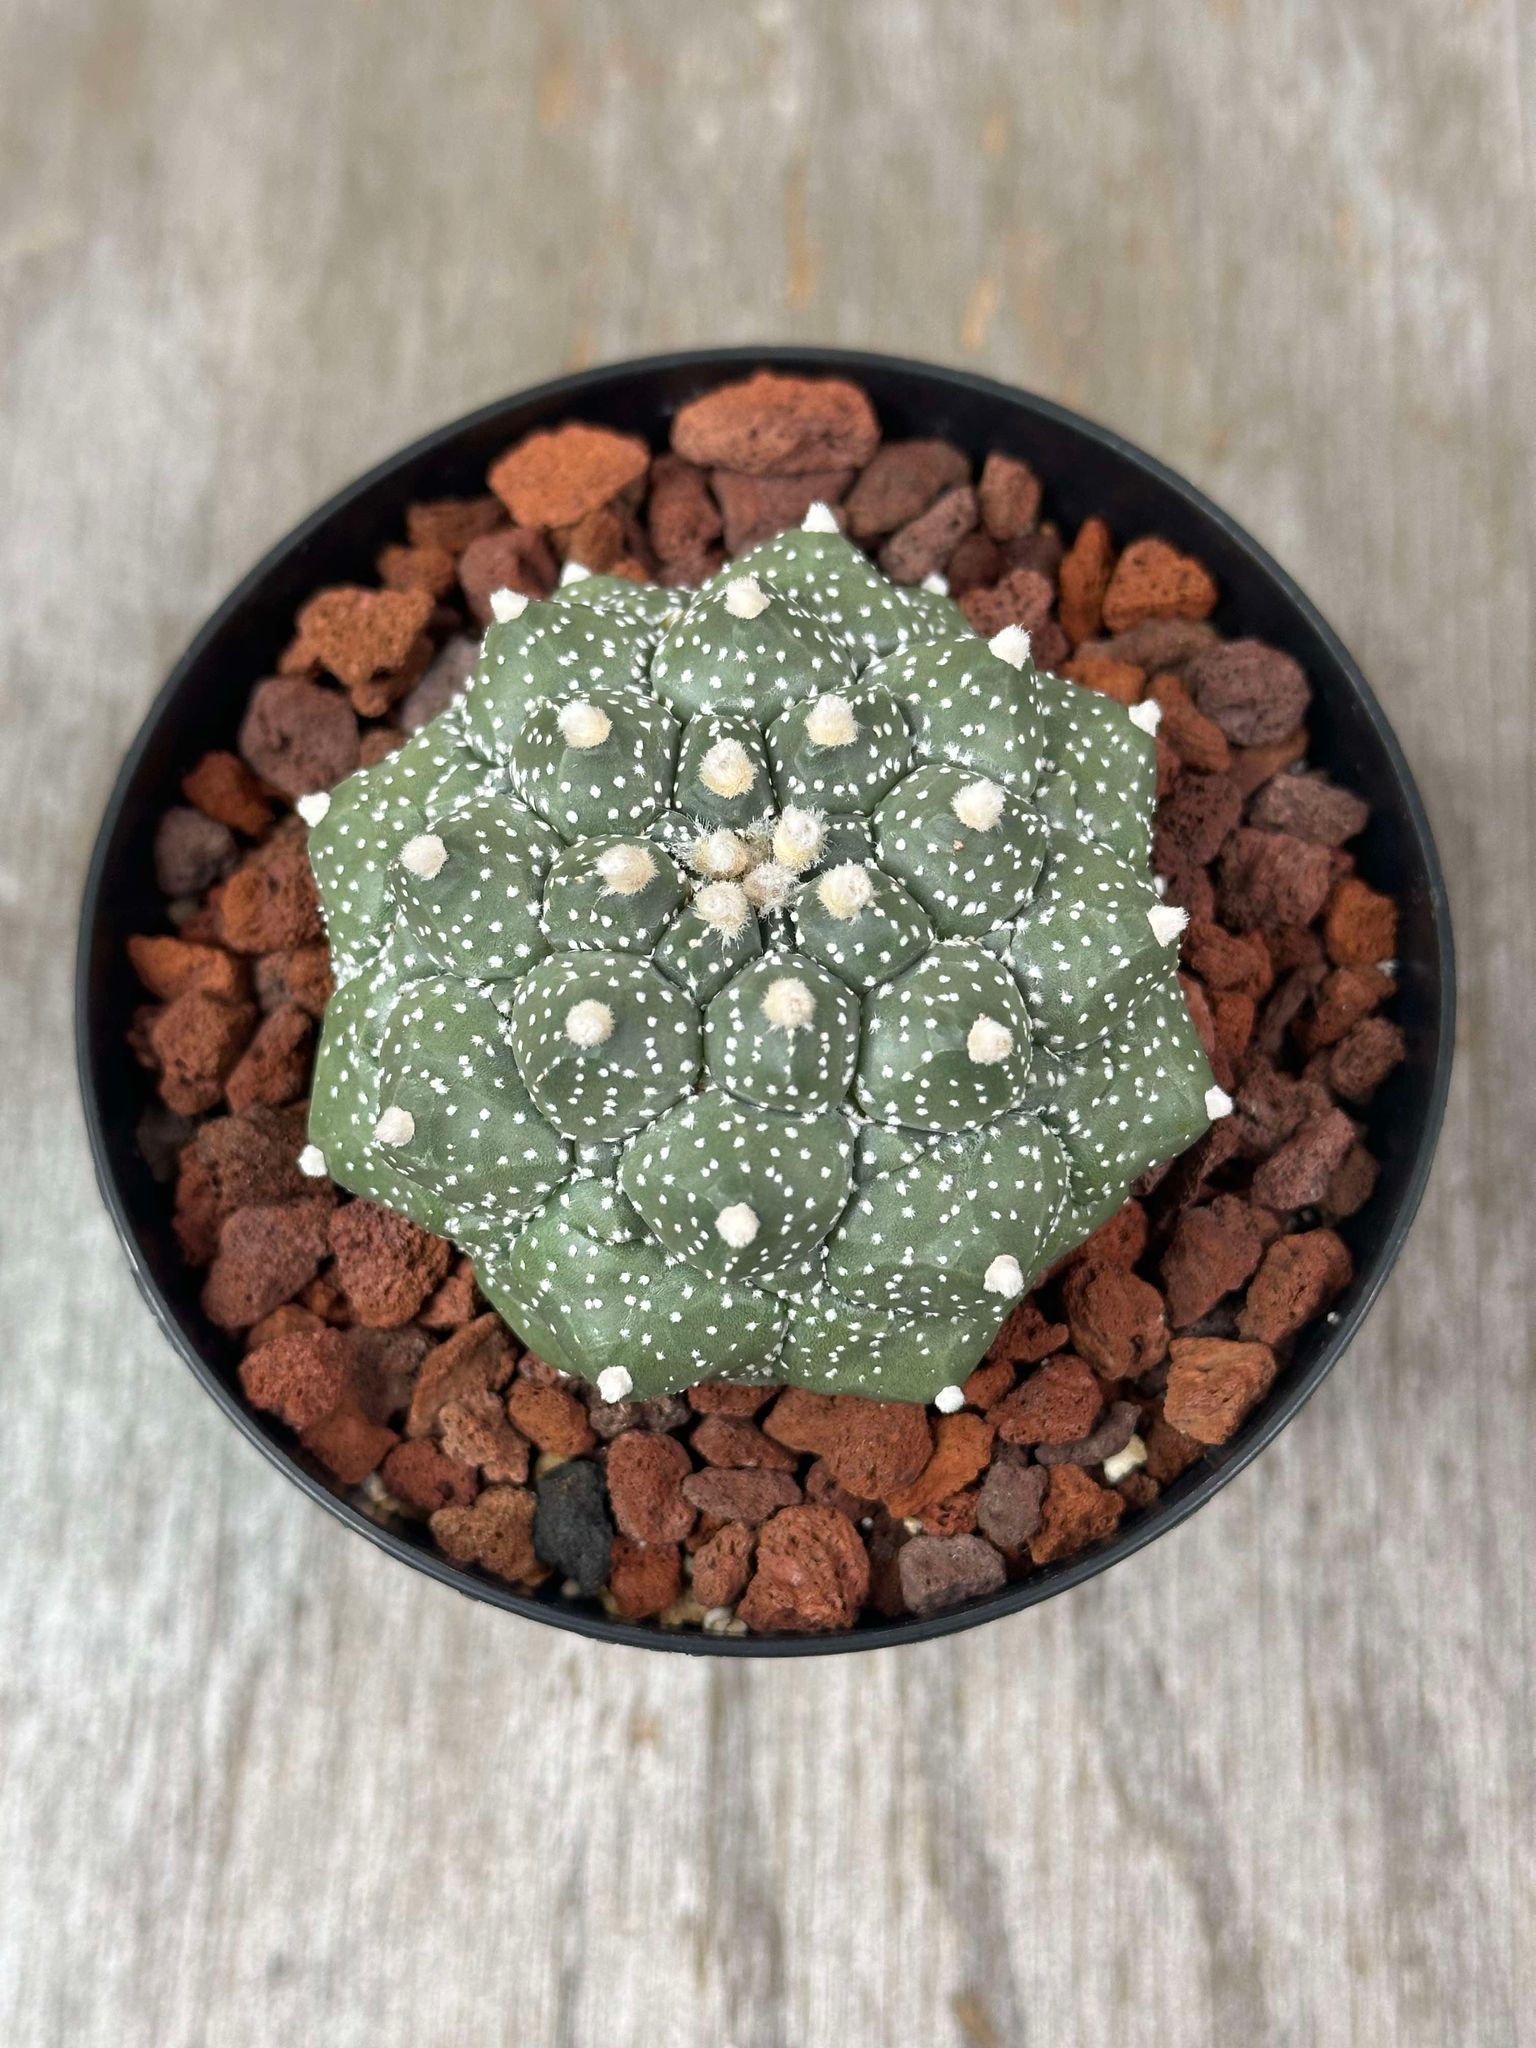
[(1273, 1781)]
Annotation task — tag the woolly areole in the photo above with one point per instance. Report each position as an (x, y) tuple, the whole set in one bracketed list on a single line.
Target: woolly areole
[(759, 983)]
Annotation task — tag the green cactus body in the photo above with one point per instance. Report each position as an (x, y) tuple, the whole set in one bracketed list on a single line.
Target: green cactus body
[(761, 984)]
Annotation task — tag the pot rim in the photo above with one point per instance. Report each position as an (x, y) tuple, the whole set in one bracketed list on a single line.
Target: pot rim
[(1186, 1495)]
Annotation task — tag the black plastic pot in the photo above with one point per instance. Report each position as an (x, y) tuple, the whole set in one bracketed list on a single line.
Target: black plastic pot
[(1086, 470)]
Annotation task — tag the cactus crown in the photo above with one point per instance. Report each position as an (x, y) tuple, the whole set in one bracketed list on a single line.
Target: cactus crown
[(762, 983)]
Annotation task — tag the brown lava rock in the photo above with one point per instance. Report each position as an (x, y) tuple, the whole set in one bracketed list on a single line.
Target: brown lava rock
[(1011, 1500), (772, 425), (1152, 580), (1256, 694), (1212, 1384), (299, 1378), (722, 1564), (495, 1531), (729, 1440), (425, 1478), (1300, 1276), (902, 480), (1009, 495), (749, 1497), (387, 1264), (1116, 1320), (550, 1417), (1213, 1251), (756, 507), (877, 1447), (644, 1578), (551, 479), (646, 1471), (940, 1571), (1076, 1511), (1057, 1404), (266, 1255), (812, 1572)]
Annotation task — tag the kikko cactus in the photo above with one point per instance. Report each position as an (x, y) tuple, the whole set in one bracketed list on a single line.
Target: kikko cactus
[(763, 983)]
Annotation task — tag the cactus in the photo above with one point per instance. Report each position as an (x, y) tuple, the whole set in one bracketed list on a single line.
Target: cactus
[(764, 983)]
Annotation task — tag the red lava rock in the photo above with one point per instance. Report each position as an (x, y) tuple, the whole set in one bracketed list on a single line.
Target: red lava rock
[(225, 789), (756, 507), (645, 1475), (1057, 1404), (1043, 550), (607, 542), (1358, 1066), (196, 1041), (300, 1378), (424, 1478), (1008, 1506), (1298, 1174), (901, 481), (770, 425), (1116, 1320), (1252, 767), (644, 1578), (940, 1571), (512, 558), (384, 1368), (1228, 962), (357, 634), (718, 1397), (953, 1515), (1270, 878), (1347, 995), (1169, 1450), (348, 1442), (1009, 495), (1188, 887), (1118, 1242), (444, 679), (1152, 580), (192, 852), (1213, 1383), (682, 517), (1077, 1511), (821, 1485), (1234, 1016), (297, 974), (170, 967), (1310, 806), (799, 1419), (923, 546), (288, 1321), (550, 1417), (1026, 1337), (1196, 820), (1213, 1251), (270, 904), (962, 1444), (453, 1304), (749, 1497), (976, 561), (727, 1440), (298, 735), (236, 1162), (274, 1068), (429, 568), (387, 1264), (452, 523), (812, 1573), (1023, 598), (1352, 1185), (266, 1255), (1360, 927), (474, 1431), (1256, 694), (1270, 1106), (495, 1531), (723, 1564), (1198, 741), (553, 478), (1121, 680), (988, 1382), (1084, 577), (877, 1447), (1300, 1276)]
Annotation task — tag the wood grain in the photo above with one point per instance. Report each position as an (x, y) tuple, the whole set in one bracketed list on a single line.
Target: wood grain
[(1272, 1781)]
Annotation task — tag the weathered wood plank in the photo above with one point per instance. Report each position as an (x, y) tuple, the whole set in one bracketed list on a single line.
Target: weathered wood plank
[(1270, 1782)]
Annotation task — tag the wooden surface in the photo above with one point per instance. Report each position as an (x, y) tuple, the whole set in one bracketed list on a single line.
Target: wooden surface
[(1272, 1781)]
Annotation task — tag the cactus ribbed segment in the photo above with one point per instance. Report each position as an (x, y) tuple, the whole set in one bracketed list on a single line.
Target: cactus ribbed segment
[(760, 983)]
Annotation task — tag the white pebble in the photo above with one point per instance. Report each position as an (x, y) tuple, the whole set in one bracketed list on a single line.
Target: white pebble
[(1125, 1462)]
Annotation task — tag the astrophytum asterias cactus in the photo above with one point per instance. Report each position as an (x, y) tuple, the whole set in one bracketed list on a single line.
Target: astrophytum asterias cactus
[(765, 983)]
